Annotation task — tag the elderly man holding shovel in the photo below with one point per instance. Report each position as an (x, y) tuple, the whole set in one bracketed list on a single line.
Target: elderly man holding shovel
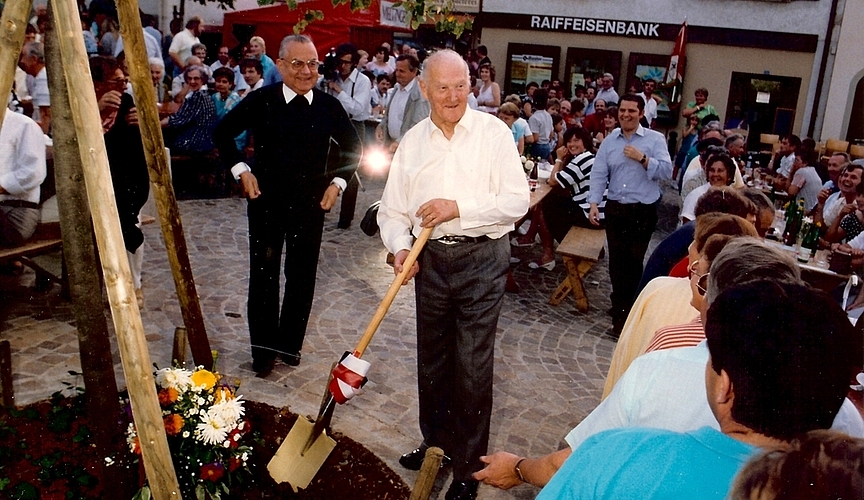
[(457, 171)]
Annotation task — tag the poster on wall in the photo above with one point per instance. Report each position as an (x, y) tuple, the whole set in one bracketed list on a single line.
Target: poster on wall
[(530, 63), (584, 66), (653, 66)]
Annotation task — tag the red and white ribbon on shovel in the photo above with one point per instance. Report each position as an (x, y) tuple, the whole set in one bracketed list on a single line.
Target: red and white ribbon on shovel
[(348, 378)]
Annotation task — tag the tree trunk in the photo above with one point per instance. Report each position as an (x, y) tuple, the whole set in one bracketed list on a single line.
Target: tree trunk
[(160, 181), (76, 228), (137, 366)]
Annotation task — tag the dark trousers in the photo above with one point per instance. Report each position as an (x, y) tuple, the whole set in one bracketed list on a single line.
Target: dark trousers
[(561, 213), (628, 231), (458, 291), (272, 331)]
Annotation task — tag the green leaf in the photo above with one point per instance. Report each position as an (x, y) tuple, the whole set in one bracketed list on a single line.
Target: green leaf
[(199, 492), (143, 493), (4, 482), (25, 491)]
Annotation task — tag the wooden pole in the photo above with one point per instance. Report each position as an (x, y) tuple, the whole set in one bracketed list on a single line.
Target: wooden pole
[(13, 23), (428, 472), (160, 180), (94, 346), (115, 265)]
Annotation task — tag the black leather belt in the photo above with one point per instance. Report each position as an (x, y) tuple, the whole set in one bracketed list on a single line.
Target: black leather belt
[(455, 238), (19, 204)]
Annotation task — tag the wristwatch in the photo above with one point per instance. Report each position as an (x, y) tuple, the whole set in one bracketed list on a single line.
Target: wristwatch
[(519, 471)]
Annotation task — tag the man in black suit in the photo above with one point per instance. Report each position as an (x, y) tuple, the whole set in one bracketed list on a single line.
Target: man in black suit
[(289, 185)]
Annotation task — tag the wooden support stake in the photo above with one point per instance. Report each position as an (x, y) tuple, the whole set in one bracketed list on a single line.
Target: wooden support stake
[(428, 472), (83, 282), (115, 265), (181, 343), (7, 397), (160, 180), (13, 24)]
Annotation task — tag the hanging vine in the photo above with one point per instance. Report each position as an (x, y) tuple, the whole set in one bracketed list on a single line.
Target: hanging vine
[(419, 12)]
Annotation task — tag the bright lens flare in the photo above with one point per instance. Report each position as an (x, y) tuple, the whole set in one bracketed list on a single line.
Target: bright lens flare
[(376, 160)]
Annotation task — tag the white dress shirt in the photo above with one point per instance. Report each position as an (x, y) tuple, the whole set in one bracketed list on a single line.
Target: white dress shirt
[(478, 167), (650, 107), (356, 95), (22, 158)]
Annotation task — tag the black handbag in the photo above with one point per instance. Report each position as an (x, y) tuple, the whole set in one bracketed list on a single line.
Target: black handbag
[(369, 224)]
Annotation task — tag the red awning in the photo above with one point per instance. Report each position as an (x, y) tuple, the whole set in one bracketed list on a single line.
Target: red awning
[(275, 22)]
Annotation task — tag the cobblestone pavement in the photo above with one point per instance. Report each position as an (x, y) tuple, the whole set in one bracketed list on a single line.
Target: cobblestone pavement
[(550, 362)]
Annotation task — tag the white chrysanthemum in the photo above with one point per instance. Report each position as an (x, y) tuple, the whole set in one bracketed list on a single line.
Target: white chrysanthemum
[(185, 434), (174, 378), (229, 410), (212, 430)]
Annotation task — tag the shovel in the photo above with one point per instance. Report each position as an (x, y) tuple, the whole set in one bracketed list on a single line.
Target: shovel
[(307, 445)]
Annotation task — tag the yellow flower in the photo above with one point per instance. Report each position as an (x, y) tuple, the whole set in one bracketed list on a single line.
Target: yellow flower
[(205, 378)]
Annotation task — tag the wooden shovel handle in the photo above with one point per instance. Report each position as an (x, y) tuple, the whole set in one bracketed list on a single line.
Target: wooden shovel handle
[(392, 291)]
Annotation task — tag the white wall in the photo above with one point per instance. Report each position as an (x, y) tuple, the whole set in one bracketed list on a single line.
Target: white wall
[(848, 70), (806, 17)]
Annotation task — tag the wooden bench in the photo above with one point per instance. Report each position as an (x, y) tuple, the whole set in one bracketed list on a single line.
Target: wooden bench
[(581, 248), (46, 239)]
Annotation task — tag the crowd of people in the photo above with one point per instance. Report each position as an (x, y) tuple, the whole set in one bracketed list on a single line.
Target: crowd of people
[(729, 367)]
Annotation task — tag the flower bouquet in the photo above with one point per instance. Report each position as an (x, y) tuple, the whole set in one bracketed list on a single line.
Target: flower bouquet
[(205, 429)]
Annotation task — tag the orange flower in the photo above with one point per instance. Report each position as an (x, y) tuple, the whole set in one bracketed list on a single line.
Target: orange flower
[(205, 378), (136, 446), (173, 424), (168, 396)]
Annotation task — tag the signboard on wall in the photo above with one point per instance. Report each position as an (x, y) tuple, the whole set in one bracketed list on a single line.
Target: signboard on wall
[(393, 16), (466, 6), (530, 63)]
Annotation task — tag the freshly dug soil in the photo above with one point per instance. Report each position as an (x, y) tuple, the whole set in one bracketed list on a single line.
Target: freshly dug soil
[(47, 452)]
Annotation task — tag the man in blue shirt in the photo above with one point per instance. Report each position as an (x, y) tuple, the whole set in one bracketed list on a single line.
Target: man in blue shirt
[(630, 162)]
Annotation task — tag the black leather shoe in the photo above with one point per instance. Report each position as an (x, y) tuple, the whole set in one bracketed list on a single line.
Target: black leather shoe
[(413, 460), (462, 490), (262, 367), (343, 224), (291, 359)]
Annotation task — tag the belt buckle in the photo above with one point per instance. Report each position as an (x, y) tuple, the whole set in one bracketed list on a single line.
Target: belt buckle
[(447, 240)]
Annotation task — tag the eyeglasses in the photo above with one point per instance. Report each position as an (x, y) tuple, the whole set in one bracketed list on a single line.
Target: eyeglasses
[(118, 82), (701, 281), (297, 64), (343, 61)]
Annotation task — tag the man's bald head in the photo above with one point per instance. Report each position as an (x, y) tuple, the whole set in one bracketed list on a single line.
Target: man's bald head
[(441, 59)]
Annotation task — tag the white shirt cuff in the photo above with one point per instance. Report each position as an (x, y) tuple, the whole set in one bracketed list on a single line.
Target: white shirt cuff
[(339, 182), (238, 169)]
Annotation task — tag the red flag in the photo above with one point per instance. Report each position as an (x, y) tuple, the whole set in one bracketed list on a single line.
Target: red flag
[(674, 80)]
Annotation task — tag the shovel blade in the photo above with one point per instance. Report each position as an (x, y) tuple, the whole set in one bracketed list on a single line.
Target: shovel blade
[(289, 465)]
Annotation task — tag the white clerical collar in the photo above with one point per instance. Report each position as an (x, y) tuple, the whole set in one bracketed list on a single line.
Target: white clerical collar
[(290, 94)]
